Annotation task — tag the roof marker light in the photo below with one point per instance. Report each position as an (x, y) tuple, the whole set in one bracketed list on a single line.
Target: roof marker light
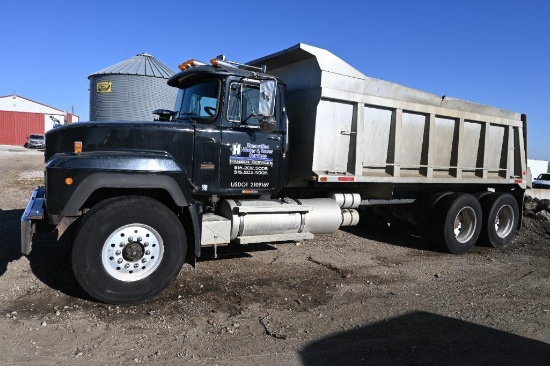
[(190, 63)]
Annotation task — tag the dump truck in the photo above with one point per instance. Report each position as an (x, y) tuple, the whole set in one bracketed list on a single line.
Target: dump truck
[(285, 147)]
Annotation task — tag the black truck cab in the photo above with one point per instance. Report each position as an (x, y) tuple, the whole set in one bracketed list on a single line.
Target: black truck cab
[(240, 129)]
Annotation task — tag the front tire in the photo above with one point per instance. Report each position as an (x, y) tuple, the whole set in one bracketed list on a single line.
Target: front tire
[(128, 249), (457, 223)]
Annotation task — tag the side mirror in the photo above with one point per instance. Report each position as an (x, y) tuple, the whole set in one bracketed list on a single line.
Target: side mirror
[(267, 97)]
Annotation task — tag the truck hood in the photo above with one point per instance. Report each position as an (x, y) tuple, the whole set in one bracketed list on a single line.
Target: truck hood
[(176, 139)]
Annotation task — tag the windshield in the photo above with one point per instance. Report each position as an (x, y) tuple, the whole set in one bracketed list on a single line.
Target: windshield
[(38, 137), (198, 101), (544, 177)]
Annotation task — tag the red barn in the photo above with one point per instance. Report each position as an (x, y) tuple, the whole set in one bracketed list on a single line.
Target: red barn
[(20, 117)]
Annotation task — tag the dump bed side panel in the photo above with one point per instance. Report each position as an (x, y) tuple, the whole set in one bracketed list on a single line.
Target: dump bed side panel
[(345, 124)]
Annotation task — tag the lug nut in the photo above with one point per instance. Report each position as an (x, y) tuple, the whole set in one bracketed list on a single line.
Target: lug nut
[(146, 244), (127, 265), (139, 239), (147, 252), (118, 252), (144, 260), (136, 265), (119, 261), (121, 244), (130, 239)]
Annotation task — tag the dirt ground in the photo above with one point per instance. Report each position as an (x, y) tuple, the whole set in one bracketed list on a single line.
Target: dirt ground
[(354, 297)]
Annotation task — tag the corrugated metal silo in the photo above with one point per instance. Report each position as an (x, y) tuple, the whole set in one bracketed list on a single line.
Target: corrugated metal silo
[(131, 90)]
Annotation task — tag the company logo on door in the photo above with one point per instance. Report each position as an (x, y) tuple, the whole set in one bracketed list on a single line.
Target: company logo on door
[(236, 149), (258, 154)]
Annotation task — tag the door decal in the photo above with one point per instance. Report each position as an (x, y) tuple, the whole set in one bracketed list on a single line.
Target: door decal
[(253, 158)]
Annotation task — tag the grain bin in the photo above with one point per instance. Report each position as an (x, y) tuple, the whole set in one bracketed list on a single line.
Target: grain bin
[(131, 90)]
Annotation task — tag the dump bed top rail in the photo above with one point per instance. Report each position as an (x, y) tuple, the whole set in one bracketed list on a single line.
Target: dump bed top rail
[(305, 67)]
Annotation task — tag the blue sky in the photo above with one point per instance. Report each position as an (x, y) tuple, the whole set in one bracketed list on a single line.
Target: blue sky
[(490, 52)]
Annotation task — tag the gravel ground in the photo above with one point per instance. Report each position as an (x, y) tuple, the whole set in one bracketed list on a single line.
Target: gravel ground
[(354, 297)]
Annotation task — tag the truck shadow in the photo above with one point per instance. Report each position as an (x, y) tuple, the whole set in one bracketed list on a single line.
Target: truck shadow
[(425, 338), (49, 260), (233, 251), (399, 234), (10, 242)]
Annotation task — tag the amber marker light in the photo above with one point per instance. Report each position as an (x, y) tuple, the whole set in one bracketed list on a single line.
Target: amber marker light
[(68, 181), (78, 147), (191, 63), (214, 61), (184, 66)]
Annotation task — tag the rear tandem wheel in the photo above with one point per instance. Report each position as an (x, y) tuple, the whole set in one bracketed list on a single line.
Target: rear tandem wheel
[(456, 223), (500, 219)]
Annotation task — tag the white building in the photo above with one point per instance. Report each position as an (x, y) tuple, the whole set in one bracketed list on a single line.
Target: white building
[(537, 167)]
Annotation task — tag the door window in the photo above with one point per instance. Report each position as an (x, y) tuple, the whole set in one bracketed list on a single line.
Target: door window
[(250, 101)]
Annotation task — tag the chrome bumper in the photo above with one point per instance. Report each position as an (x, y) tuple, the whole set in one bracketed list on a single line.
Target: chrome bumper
[(34, 211)]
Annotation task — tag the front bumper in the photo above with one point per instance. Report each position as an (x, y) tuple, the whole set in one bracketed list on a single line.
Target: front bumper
[(35, 211)]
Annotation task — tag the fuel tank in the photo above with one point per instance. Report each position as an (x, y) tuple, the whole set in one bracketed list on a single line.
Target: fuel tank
[(269, 217)]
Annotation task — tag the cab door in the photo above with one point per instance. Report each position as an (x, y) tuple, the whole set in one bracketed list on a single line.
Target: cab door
[(250, 156)]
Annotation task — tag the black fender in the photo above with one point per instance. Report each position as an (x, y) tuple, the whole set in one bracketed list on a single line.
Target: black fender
[(88, 172), (180, 193)]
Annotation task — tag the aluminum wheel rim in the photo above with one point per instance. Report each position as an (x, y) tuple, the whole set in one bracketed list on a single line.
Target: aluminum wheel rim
[(504, 221), (132, 252), (465, 224)]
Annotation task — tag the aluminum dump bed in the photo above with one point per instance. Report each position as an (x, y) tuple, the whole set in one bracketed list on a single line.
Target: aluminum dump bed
[(348, 127)]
